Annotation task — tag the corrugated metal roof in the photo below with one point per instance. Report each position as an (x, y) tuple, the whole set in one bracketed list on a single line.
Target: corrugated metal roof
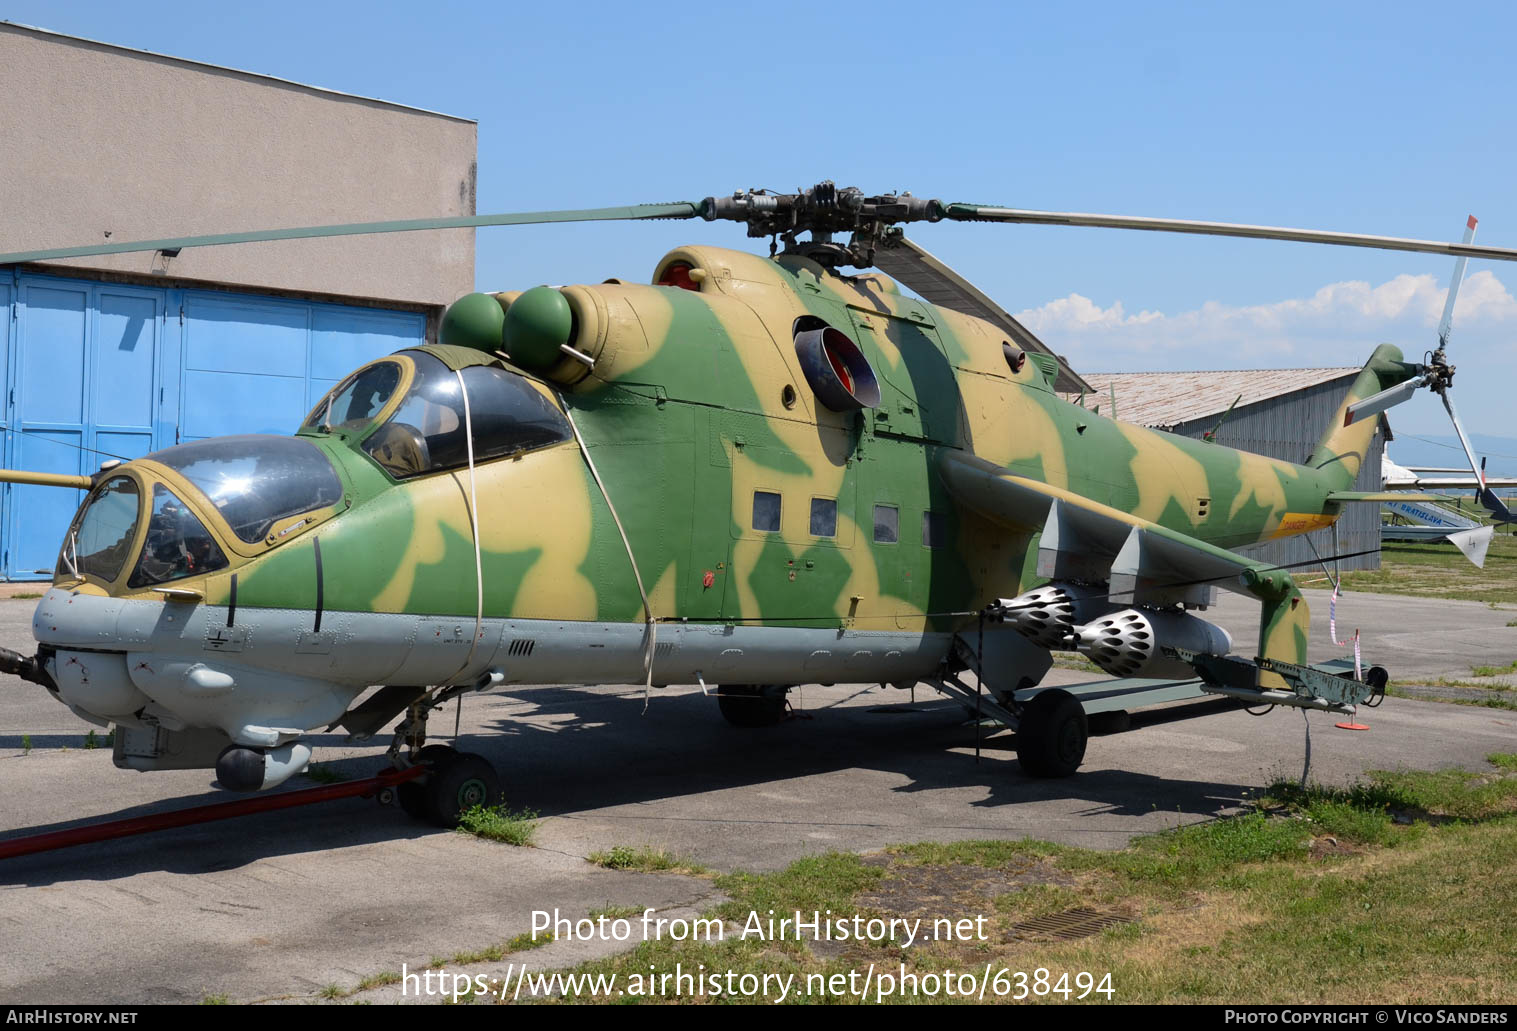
[(1167, 399)]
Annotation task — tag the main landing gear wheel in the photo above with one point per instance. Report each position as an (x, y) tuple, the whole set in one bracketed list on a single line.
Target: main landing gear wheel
[(458, 781), (1052, 734), (751, 705)]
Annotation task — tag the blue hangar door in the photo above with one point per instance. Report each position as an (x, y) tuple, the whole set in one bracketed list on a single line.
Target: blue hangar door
[(95, 371)]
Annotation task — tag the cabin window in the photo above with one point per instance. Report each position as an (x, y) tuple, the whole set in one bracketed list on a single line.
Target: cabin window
[(932, 530), (824, 517), (766, 511), (887, 524)]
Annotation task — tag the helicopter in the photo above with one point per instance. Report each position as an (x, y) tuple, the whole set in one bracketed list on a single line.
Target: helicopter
[(752, 473)]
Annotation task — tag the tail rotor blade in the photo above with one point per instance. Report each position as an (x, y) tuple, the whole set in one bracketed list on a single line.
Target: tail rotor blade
[(1446, 324), (1377, 403), (1487, 497), (1473, 544)]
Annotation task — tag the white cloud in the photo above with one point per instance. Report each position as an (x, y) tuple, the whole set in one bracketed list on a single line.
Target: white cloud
[(1329, 327)]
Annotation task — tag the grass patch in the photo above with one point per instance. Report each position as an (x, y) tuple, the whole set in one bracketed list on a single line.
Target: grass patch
[(1074, 660), (1440, 571), (644, 859), (325, 774), (24, 595), (524, 941), (1494, 671), (611, 912), (215, 1000), (378, 980), (1248, 907), (1493, 699), (333, 991), (497, 823), (26, 744)]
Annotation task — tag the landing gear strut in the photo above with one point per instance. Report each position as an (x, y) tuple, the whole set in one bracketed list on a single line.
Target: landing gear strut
[(752, 705), (455, 782)]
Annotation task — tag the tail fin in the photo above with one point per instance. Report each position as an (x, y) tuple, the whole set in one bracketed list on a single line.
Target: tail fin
[(1341, 451)]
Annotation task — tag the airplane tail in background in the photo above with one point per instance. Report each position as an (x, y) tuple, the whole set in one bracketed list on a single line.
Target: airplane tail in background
[(1341, 451)]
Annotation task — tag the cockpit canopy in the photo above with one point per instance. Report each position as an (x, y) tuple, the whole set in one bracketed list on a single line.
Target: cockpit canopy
[(424, 431), (254, 482)]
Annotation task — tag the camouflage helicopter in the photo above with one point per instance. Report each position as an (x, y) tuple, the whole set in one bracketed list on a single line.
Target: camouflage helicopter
[(754, 473)]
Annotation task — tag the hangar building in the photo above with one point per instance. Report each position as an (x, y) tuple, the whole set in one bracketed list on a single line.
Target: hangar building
[(121, 355), (1278, 412)]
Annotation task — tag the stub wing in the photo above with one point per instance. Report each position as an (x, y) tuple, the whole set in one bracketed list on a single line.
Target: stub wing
[(1142, 562)]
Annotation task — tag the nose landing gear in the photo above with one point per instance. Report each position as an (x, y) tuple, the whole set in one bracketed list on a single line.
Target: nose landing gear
[(455, 781)]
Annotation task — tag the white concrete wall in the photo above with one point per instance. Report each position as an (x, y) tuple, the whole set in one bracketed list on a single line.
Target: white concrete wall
[(96, 139)]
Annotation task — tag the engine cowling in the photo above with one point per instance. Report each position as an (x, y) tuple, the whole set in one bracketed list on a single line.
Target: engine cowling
[(1127, 643)]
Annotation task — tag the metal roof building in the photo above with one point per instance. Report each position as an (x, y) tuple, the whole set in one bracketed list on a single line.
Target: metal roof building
[(1277, 412), (121, 355)]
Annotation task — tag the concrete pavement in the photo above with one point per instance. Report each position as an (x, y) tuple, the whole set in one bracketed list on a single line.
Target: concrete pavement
[(281, 904)]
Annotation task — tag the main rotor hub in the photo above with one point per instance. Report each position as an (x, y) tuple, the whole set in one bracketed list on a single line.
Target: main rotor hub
[(823, 210)]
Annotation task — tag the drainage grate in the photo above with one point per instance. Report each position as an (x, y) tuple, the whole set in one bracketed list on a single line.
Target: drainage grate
[(1072, 923)]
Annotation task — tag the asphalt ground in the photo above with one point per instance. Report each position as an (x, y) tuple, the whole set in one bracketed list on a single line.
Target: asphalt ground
[(279, 905)]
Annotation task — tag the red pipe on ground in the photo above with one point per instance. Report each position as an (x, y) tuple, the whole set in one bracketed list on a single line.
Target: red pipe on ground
[(205, 813)]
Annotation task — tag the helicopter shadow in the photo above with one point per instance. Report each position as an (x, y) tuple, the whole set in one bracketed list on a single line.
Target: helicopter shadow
[(682, 748), (572, 752)]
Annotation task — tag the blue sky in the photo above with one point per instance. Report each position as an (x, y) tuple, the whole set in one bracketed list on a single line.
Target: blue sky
[(1385, 118)]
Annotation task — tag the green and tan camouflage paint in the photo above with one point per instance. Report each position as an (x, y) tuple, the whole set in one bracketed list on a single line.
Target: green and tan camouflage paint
[(697, 399)]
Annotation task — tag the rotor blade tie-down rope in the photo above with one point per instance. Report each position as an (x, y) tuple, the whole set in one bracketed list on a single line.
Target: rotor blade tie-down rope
[(632, 558), (479, 578)]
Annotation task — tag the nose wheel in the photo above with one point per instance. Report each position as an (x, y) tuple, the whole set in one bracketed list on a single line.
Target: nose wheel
[(457, 782)]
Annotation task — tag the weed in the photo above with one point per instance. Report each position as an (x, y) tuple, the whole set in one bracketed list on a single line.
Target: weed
[(644, 858), (497, 823), (325, 774)]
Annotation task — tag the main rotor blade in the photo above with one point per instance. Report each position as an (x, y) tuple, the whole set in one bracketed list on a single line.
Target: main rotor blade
[(938, 284), (1377, 403), (636, 212), (1446, 324), (1487, 497), (985, 213)]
